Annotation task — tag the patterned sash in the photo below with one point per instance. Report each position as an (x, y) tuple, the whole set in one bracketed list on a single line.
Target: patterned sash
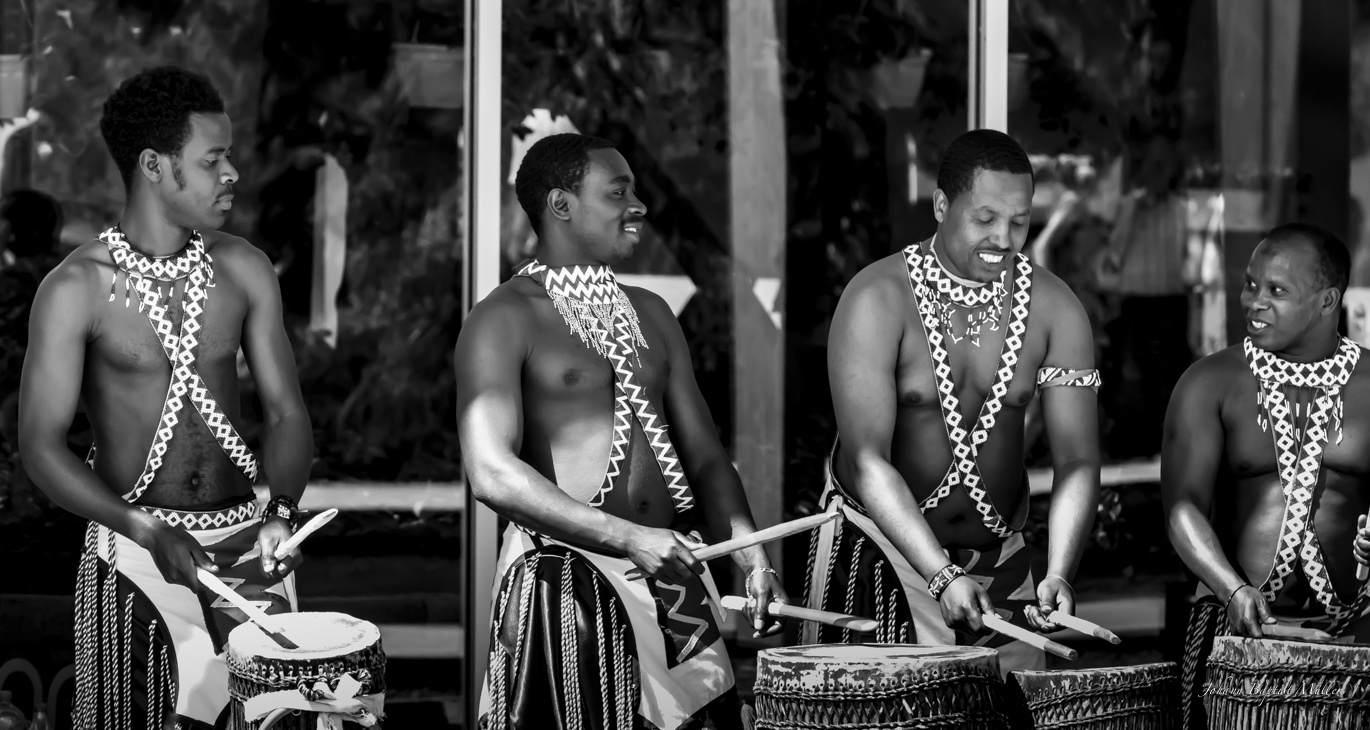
[(924, 274), (181, 348), (597, 310), (1300, 462)]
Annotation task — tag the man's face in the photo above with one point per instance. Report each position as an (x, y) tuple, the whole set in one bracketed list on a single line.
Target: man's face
[(1283, 295), (199, 191), (979, 232), (607, 217)]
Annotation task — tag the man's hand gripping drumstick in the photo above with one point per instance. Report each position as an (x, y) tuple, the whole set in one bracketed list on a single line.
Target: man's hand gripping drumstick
[(702, 553)]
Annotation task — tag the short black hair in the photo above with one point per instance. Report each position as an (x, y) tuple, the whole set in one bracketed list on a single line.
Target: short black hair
[(1334, 259), (555, 162), (151, 110), (34, 218), (976, 150)]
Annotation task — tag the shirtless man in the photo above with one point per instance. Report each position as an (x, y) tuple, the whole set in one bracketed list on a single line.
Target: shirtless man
[(155, 310), (557, 369), (930, 482), (1266, 445)]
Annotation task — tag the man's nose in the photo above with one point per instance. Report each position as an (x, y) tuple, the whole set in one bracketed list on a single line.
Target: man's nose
[(230, 173)]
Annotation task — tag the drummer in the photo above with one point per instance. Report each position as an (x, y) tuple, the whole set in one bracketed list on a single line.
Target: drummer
[(1266, 458), (560, 370), (933, 357)]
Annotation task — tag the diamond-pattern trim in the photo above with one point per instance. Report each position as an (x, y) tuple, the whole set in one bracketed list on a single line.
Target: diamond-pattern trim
[(245, 512), (965, 445), (180, 348), (611, 310), (1299, 456)]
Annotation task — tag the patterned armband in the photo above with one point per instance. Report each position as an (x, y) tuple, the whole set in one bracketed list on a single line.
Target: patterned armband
[(1053, 377), (938, 585)]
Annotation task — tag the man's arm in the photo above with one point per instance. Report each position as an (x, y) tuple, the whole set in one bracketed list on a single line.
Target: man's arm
[(49, 391), (489, 362), (713, 478), (863, 356), (288, 439), (1191, 452), (1071, 417)]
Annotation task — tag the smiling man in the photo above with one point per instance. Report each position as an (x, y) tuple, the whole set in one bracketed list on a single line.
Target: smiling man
[(1267, 452), (581, 423), (142, 326), (933, 356)]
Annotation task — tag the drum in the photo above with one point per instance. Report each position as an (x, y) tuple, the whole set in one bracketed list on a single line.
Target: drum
[(1273, 684), (878, 685), (1141, 697), (338, 667)]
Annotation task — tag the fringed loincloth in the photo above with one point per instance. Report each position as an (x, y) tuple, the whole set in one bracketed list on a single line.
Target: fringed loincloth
[(150, 654), (576, 645), (854, 569)]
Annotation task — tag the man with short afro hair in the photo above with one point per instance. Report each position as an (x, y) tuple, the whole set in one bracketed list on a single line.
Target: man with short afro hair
[(143, 327)]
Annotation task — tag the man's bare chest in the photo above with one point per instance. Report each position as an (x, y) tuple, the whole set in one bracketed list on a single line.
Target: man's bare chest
[(133, 339)]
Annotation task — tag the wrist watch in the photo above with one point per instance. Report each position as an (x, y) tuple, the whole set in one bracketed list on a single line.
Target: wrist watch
[(284, 507)]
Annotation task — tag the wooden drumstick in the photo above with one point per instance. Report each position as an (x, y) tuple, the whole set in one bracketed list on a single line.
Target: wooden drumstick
[(310, 527), (774, 532), (1280, 631), (257, 616), (840, 620), (994, 623), (1085, 627)]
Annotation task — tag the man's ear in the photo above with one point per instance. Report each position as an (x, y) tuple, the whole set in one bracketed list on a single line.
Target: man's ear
[(559, 203), (150, 165), (940, 204), (1331, 300)]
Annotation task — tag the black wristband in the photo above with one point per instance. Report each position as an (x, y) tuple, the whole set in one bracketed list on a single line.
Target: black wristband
[(938, 585), (284, 507)]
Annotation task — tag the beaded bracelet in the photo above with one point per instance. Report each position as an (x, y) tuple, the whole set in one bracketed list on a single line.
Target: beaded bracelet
[(942, 579), (1233, 594), (754, 571)]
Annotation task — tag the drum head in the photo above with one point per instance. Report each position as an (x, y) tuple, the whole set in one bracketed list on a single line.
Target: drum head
[(875, 654), (318, 634)]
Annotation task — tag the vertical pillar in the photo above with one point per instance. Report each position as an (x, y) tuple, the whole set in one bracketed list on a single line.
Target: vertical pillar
[(481, 237), (756, 118), (988, 88)]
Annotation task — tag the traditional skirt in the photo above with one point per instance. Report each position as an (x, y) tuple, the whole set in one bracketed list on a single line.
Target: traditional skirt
[(574, 644), (854, 569), (148, 651)]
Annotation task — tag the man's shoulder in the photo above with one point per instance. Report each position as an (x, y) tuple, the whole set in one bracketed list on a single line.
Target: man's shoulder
[(509, 304), (233, 250), (887, 276), (1216, 373), (1051, 291)]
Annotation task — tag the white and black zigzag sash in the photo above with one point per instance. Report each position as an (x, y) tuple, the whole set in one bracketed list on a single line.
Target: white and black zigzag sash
[(1300, 463), (965, 445), (596, 309), (141, 273)]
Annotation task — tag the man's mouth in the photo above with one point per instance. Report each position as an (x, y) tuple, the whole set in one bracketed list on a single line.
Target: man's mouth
[(990, 258), (1256, 325), (225, 200), (633, 229)]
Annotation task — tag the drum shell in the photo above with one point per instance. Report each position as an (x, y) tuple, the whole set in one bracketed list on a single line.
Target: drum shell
[(1275, 684), (250, 676), (1141, 697), (955, 687)]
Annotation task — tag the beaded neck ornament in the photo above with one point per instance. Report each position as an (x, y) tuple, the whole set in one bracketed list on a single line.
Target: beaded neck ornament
[(141, 272), (986, 302), (600, 313), (588, 299), (1299, 453)]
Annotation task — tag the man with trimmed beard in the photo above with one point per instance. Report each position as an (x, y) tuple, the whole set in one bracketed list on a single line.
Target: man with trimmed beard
[(933, 357)]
